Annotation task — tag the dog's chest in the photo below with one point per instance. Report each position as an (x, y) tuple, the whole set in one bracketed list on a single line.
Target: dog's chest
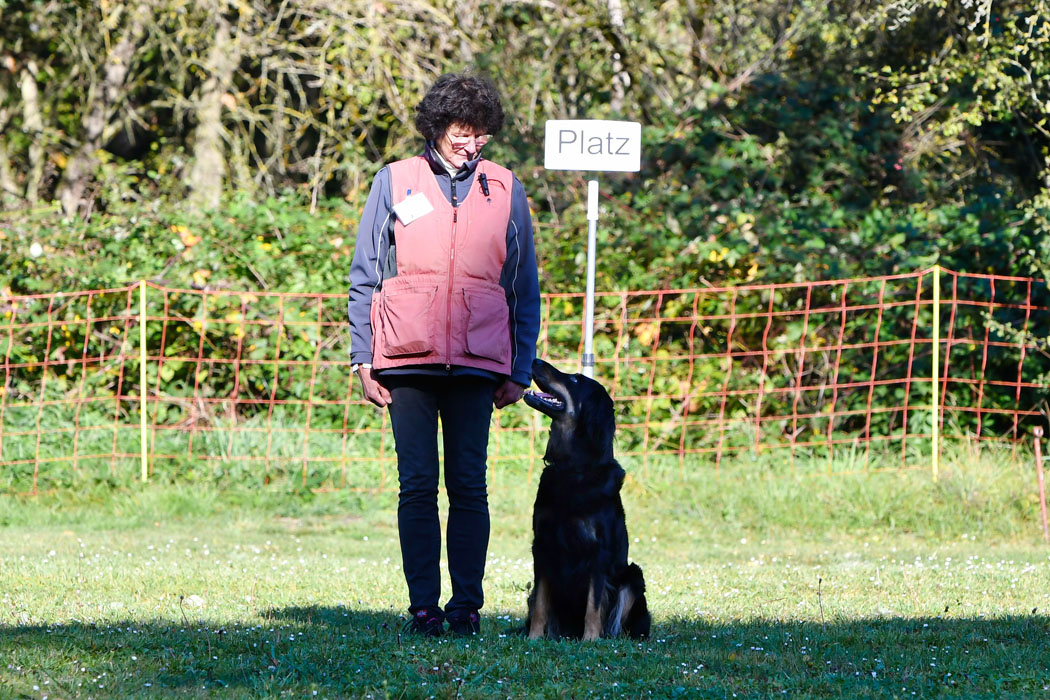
[(574, 509), (579, 490), (574, 537), (586, 530), (575, 528)]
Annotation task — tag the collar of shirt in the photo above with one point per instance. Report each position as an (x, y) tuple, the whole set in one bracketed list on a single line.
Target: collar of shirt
[(440, 166)]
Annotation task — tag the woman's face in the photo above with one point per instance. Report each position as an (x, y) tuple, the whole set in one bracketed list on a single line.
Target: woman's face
[(461, 143)]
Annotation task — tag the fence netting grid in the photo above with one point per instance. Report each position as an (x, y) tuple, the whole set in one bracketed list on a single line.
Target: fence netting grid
[(830, 376)]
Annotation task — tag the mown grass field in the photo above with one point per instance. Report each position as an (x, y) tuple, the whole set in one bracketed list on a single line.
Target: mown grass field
[(878, 586)]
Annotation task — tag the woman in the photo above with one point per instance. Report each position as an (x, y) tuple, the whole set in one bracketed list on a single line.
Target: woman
[(444, 317)]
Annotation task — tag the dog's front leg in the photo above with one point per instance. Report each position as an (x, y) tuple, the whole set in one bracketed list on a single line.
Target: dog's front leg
[(592, 618), (540, 609)]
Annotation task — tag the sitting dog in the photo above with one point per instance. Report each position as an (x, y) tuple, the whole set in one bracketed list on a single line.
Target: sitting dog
[(584, 587)]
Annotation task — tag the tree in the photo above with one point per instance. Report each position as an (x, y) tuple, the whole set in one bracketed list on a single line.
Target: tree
[(206, 172), (123, 27)]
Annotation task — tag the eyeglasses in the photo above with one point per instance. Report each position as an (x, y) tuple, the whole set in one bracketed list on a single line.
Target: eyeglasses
[(460, 141)]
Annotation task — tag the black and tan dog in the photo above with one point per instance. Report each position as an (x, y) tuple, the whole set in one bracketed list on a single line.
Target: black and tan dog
[(584, 587)]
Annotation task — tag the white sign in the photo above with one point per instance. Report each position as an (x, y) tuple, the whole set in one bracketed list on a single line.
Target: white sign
[(592, 144)]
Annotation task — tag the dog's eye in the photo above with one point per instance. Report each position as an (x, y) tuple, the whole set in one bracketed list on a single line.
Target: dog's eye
[(574, 378)]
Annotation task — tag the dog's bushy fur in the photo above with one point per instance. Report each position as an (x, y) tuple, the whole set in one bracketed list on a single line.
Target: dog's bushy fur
[(583, 585)]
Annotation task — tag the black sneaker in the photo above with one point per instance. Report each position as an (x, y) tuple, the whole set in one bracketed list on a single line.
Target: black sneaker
[(429, 622), (465, 623)]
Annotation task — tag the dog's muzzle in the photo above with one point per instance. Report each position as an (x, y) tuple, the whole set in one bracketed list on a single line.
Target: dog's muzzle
[(543, 401)]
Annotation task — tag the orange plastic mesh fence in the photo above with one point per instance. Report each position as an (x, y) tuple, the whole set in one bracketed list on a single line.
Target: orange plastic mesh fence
[(832, 377)]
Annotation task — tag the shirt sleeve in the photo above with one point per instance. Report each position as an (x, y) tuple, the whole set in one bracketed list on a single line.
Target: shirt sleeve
[(366, 269), (520, 279)]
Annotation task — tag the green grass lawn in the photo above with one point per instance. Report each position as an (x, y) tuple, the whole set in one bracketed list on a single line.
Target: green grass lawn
[(888, 585)]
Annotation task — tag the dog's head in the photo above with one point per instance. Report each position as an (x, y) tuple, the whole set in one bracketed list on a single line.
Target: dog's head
[(582, 418)]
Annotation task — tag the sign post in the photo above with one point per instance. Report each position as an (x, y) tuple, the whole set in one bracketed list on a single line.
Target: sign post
[(592, 235), (591, 144)]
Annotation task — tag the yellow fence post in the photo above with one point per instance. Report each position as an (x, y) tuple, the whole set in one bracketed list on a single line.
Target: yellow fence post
[(936, 368), (142, 378)]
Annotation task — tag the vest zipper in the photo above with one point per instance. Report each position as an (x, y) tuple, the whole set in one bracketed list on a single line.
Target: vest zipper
[(451, 275)]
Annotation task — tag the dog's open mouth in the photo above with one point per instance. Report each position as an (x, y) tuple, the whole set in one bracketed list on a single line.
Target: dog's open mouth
[(543, 401)]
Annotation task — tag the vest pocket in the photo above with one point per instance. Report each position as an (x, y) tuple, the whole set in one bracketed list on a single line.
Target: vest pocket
[(406, 322), (488, 324)]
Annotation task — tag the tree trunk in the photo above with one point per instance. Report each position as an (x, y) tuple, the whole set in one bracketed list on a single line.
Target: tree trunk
[(9, 193), (206, 175), (621, 79), (98, 111), (33, 124)]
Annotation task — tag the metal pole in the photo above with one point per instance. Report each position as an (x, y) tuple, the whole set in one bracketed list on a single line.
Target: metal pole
[(936, 369), (588, 325), (1042, 485), (142, 380)]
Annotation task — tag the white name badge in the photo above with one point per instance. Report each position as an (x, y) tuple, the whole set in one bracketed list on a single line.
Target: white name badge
[(413, 207)]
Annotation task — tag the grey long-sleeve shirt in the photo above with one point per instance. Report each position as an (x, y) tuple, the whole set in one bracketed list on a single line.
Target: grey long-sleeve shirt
[(373, 263)]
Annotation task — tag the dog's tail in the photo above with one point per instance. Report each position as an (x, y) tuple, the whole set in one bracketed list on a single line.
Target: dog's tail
[(630, 613)]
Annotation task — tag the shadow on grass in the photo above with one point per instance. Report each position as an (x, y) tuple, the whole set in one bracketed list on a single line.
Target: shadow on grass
[(340, 652)]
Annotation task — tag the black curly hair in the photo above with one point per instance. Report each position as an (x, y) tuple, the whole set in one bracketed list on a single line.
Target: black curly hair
[(459, 98)]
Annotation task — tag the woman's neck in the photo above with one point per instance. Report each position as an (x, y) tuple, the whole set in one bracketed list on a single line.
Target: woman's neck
[(452, 170)]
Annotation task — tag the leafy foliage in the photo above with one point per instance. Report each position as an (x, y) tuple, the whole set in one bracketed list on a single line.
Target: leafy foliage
[(784, 141)]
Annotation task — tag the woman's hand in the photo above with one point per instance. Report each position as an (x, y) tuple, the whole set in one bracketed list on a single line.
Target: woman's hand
[(508, 392), (372, 389)]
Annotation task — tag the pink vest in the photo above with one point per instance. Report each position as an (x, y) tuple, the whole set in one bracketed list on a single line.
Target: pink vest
[(446, 306)]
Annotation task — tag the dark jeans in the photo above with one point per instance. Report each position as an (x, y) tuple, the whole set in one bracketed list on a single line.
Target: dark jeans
[(464, 405)]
